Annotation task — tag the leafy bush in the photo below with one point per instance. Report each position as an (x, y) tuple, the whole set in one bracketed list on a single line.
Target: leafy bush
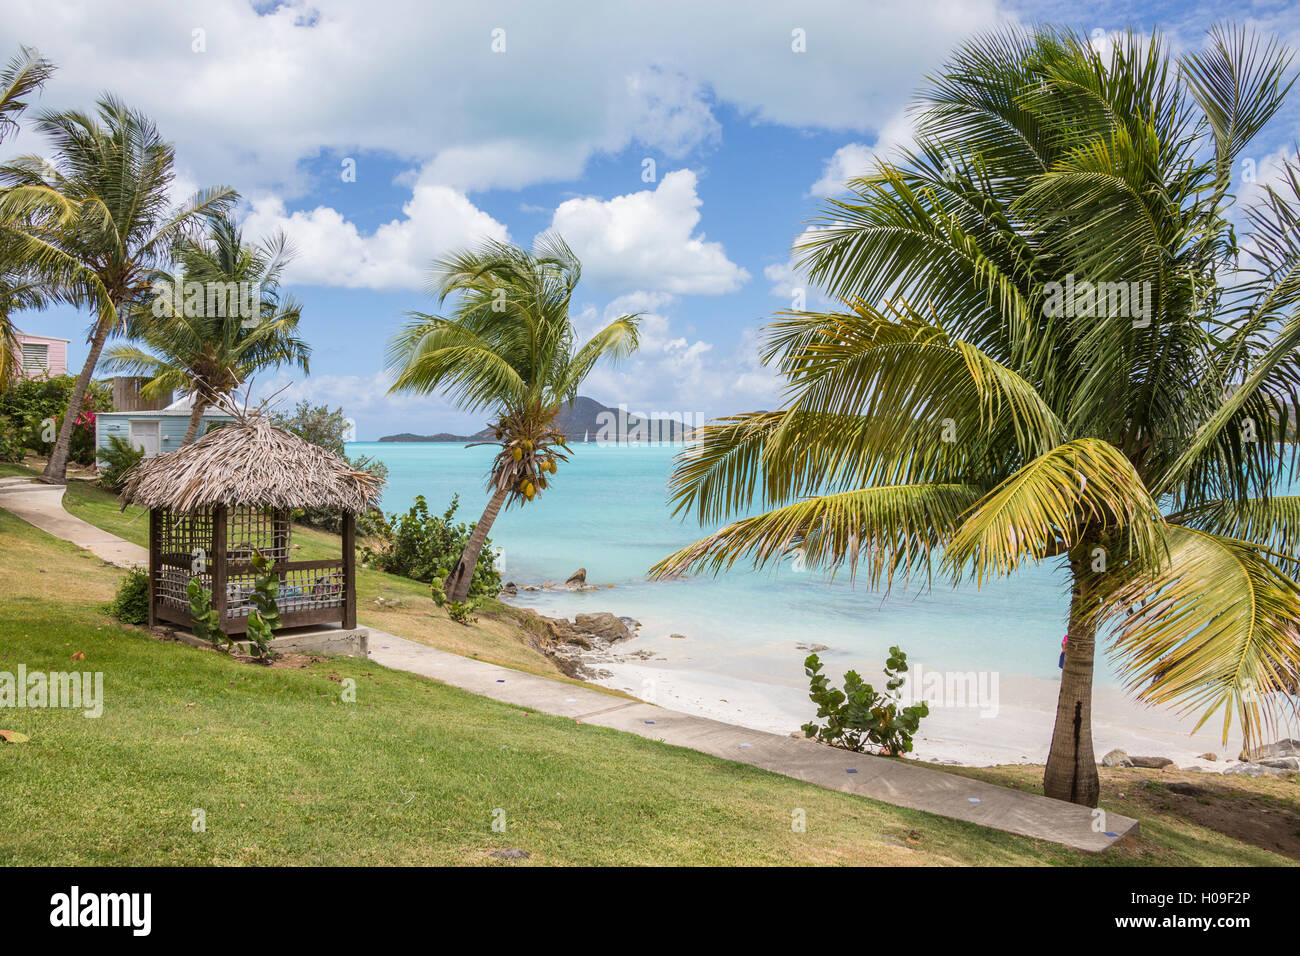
[(203, 616), (265, 616), (131, 603), (330, 430), (11, 445), (858, 717), (316, 424), (425, 547), (30, 403), (115, 460)]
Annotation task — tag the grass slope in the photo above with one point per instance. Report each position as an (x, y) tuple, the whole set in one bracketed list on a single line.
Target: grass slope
[(495, 637), (411, 773), (286, 772)]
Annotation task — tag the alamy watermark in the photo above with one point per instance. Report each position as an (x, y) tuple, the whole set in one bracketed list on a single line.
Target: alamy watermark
[(1099, 300), (632, 428), (972, 690), (242, 300), (74, 690)]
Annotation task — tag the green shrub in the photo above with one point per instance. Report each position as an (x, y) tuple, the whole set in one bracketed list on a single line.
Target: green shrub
[(265, 616), (33, 404), (11, 445), (115, 460), (203, 616), (330, 430), (858, 717), (425, 547), (131, 603)]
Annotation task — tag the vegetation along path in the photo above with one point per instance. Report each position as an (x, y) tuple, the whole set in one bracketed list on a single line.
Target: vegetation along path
[(896, 782)]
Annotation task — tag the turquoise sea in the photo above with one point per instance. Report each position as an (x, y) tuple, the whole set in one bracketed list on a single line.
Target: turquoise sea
[(607, 511)]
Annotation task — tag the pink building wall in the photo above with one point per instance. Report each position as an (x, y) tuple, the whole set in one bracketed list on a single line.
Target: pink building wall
[(56, 355)]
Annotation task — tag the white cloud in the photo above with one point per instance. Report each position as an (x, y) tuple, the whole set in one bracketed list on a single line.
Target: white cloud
[(791, 283), (856, 159), (675, 374), (330, 250), (647, 240), (419, 81)]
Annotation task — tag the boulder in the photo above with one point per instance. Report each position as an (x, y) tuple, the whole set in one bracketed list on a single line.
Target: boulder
[(1254, 770), (604, 625), (1150, 763), (1187, 789), (1280, 748), (1208, 756), (1281, 763), (577, 579), (1116, 758)]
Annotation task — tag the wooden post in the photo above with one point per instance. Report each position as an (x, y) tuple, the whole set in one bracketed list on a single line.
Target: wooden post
[(349, 569), (217, 564), (154, 567)]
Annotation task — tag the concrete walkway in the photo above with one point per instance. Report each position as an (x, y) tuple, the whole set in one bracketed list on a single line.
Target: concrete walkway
[(900, 783), (896, 782), (42, 505)]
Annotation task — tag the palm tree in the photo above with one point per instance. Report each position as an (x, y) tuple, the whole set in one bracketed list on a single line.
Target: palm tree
[(23, 75), (507, 345), (237, 325), (976, 408), (98, 222)]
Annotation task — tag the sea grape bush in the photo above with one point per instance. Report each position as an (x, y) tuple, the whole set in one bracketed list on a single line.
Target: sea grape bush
[(203, 616), (265, 616), (858, 717), (331, 430), (425, 547)]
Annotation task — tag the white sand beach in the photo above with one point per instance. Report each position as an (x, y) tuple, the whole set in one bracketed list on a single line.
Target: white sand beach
[(1009, 719)]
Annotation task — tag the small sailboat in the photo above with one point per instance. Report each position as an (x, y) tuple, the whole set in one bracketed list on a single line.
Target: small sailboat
[(586, 437)]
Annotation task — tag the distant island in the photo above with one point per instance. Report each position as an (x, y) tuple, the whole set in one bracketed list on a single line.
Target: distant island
[(585, 419)]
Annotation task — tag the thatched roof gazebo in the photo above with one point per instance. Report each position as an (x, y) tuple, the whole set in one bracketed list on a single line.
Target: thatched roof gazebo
[(214, 502)]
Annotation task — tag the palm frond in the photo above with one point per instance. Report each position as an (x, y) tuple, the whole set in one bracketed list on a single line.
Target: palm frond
[(1213, 628), (1077, 493), (892, 528)]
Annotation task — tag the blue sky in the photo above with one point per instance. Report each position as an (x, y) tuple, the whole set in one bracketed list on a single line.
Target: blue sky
[(453, 141)]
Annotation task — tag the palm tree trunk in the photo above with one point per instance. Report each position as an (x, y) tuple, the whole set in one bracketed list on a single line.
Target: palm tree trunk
[(457, 584), (56, 469), (1071, 772), (196, 416)]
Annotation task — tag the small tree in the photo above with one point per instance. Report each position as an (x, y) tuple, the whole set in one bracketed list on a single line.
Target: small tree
[(331, 430), (509, 346)]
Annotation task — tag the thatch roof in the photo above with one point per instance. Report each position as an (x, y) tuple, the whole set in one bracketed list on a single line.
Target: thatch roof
[(250, 462)]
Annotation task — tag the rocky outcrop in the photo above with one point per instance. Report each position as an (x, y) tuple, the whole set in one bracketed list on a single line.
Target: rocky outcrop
[(577, 645), (604, 626), (577, 579), (1254, 770)]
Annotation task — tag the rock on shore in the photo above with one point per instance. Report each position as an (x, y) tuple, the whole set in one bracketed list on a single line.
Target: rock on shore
[(580, 645)]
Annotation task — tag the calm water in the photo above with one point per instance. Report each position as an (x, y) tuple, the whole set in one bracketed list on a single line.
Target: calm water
[(607, 511)]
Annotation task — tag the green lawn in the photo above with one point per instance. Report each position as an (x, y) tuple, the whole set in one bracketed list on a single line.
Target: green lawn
[(286, 772), (496, 637)]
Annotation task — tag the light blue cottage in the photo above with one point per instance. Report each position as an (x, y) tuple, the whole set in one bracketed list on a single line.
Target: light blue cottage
[(158, 431)]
